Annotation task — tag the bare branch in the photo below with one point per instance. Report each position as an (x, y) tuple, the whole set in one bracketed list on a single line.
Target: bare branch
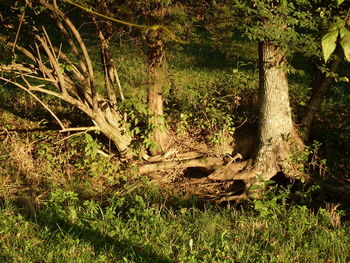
[(81, 43), (50, 44), (54, 62), (19, 27)]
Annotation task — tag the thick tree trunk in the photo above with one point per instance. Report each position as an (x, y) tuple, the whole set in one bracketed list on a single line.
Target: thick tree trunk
[(276, 133), (318, 93), (155, 92), (275, 119)]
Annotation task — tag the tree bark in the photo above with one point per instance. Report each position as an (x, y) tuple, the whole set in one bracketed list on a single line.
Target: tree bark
[(155, 52), (275, 118), (276, 133), (318, 93), (110, 123)]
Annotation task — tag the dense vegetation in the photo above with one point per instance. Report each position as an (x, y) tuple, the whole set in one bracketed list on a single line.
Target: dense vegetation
[(174, 131)]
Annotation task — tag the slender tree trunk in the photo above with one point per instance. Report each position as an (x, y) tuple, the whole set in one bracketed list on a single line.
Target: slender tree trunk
[(275, 119), (155, 91), (318, 93)]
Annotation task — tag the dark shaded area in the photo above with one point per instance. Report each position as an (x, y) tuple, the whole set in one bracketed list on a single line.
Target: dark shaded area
[(237, 187), (281, 179), (196, 172)]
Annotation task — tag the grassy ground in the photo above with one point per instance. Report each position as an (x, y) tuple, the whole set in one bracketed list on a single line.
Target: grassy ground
[(144, 226)]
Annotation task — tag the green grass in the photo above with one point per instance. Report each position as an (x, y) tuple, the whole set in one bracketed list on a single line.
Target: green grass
[(134, 228)]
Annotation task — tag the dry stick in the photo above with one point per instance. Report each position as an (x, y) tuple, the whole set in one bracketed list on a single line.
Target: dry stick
[(67, 98), (39, 78), (36, 98), (50, 44), (110, 93), (77, 74), (104, 56), (46, 71), (39, 61), (73, 47), (19, 27), (16, 66), (85, 129), (80, 129), (42, 67), (120, 89)]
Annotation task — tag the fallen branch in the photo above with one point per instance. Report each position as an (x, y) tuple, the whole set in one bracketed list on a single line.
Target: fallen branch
[(209, 163)]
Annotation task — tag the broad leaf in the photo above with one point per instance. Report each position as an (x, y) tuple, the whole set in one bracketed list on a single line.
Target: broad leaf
[(329, 43), (345, 42), (340, 2)]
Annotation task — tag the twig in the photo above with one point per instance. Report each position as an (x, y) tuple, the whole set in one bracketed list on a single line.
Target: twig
[(54, 63), (242, 124)]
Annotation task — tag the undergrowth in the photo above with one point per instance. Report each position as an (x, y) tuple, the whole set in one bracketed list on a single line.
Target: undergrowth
[(61, 201)]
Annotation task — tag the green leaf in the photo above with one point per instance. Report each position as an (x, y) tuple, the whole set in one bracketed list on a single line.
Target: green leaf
[(345, 42), (269, 182), (340, 2), (255, 187), (259, 205), (329, 43)]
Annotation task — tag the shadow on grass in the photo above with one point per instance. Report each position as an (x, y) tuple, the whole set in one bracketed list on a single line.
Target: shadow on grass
[(20, 104), (102, 244)]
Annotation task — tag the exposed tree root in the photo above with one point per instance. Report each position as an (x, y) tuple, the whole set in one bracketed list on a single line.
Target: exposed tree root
[(232, 171)]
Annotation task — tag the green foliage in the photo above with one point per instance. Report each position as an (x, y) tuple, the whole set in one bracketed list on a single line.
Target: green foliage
[(329, 43), (345, 42), (139, 119), (338, 33), (132, 227)]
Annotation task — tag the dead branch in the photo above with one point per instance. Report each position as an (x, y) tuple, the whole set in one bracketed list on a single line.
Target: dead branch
[(55, 10), (61, 82), (74, 86), (19, 27), (209, 163)]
